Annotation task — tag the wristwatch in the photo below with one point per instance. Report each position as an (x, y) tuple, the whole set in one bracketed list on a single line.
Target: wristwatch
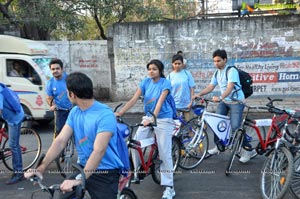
[(221, 98)]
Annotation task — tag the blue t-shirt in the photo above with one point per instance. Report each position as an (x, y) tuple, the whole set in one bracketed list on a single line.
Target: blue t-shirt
[(151, 92), (181, 82), (232, 76), (9, 115), (58, 90), (86, 125)]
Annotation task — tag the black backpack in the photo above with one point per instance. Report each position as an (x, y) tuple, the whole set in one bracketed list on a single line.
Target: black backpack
[(245, 81)]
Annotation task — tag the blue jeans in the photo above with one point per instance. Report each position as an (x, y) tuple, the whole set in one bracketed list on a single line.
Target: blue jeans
[(61, 117), (14, 138), (235, 115)]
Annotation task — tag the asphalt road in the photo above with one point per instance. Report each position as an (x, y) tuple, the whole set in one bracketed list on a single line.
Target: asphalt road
[(208, 180)]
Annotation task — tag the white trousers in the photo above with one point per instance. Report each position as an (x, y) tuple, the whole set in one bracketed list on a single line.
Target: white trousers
[(163, 132)]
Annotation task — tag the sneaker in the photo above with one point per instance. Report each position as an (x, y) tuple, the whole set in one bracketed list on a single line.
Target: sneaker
[(245, 156), (169, 193), (16, 177), (135, 180), (214, 150)]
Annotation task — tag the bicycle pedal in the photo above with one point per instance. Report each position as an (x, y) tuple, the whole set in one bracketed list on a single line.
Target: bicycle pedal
[(157, 161)]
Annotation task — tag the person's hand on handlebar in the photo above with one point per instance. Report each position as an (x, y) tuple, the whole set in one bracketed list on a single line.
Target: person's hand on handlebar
[(147, 120), (33, 172), (216, 99), (68, 185)]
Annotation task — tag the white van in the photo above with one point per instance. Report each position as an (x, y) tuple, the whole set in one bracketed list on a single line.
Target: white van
[(32, 58)]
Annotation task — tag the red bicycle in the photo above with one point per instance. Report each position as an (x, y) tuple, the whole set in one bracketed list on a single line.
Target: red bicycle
[(261, 142), (30, 143)]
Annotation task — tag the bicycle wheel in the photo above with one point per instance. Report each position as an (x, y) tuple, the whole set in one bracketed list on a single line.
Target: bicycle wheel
[(67, 157), (127, 193), (176, 148), (277, 173), (295, 183), (30, 143), (155, 168), (191, 157), (236, 149)]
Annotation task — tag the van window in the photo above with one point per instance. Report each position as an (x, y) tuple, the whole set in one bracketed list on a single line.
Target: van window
[(22, 69), (43, 64)]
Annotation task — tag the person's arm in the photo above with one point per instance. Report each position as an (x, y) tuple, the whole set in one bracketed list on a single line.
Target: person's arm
[(230, 87), (205, 91), (55, 149), (50, 101), (158, 106), (130, 103), (192, 93), (100, 145)]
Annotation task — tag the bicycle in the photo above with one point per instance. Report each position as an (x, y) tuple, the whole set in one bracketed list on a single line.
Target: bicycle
[(68, 155), (150, 162), (278, 168), (293, 141), (185, 130), (260, 142), (30, 144)]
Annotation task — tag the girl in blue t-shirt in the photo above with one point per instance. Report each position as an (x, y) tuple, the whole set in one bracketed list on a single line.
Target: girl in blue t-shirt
[(183, 85), (155, 90)]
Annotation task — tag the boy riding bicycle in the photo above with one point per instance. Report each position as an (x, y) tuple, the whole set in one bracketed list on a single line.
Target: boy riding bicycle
[(227, 88)]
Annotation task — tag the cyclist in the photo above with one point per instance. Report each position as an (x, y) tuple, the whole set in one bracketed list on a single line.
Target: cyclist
[(155, 90), (14, 120), (94, 127), (183, 85), (226, 103), (57, 95)]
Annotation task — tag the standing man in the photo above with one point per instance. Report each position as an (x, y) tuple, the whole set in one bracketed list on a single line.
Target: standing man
[(94, 127), (57, 95), (227, 88), (14, 120)]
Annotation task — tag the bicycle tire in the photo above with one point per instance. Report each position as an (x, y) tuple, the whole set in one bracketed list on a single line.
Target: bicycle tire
[(176, 149), (277, 173), (155, 168), (237, 145), (295, 183), (127, 193), (190, 158), (31, 147), (66, 158)]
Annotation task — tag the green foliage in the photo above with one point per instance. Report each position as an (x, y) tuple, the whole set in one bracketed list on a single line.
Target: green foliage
[(86, 19)]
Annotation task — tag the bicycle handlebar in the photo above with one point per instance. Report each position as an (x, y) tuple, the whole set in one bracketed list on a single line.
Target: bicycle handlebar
[(79, 189), (120, 119)]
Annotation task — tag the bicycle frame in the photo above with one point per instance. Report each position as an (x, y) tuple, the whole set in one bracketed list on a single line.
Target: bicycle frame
[(139, 146), (276, 123)]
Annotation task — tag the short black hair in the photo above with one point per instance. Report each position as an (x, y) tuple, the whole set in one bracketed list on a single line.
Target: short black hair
[(177, 57), (220, 53), (80, 84), (179, 51), (56, 61)]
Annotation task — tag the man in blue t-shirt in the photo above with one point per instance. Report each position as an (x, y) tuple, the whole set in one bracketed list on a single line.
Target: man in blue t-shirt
[(228, 91), (94, 127), (57, 98), (14, 121)]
